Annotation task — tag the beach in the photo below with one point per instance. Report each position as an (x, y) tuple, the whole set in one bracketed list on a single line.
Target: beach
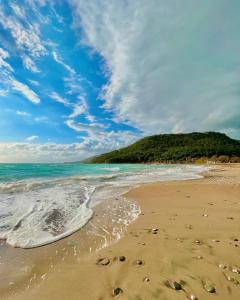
[(187, 232)]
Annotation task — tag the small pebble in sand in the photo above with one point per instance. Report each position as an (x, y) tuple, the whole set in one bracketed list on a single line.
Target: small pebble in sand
[(117, 291), (192, 297), (235, 270), (43, 276), (179, 240), (154, 231), (146, 279), (209, 287), (121, 258), (199, 257), (103, 261), (222, 266), (143, 244), (230, 218), (175, 285), (235, 240), (139, 262), (215, 241), (205, 215), (198, 242), (231, 279)]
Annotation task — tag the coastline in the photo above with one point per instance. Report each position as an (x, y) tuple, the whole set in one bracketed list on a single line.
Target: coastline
[(204, 210)]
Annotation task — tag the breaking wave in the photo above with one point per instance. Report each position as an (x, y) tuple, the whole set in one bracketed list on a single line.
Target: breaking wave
[(36, 212)]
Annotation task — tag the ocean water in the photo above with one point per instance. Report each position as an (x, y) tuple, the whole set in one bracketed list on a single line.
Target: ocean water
[(42, 203)]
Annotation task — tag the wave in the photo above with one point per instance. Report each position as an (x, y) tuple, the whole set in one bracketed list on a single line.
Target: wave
[(111, 169), (37, 212), (43, 216), (29, 185)]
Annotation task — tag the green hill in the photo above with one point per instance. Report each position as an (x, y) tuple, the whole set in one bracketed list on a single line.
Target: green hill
[(176, 148)]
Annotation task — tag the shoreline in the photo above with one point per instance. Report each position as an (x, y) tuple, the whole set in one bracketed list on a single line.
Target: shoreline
[(118, 190), (67, 278)]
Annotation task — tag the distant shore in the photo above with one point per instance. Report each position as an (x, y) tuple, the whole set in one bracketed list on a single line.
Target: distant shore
[(188, 232)]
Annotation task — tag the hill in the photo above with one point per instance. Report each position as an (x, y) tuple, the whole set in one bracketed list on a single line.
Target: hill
[(176, 148)]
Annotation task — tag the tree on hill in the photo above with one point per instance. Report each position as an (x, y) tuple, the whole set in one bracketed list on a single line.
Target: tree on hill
[(176, 148)]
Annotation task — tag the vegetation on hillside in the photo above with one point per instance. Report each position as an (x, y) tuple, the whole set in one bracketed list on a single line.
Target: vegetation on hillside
[(176, 148)]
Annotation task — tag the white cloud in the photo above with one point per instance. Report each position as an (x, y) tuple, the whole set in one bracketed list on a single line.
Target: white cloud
[(55, 96), (23, 113), (34, 82), (32, 138), (79, 108), (167, 61), (48, 152), (29, 64), (5, 73), (59, 60), (3, 64), (19, 11), (35, 7), (25, 90), (3, 92), (91, 128), (73, 81), (9, 82), (98, 139), (4, 53), (90, 118), (27, 38)]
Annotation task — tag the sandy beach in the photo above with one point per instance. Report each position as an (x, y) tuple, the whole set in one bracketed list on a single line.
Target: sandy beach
[(187, 232)]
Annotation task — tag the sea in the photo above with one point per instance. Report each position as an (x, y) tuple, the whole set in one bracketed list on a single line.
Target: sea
[(43, 203)]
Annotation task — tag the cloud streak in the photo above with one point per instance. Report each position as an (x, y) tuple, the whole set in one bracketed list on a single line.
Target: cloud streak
[(26, 91), (23, 113), (99, 139), (27, 38), (32, 138), (55, 96), (48, 152), (29, 64)]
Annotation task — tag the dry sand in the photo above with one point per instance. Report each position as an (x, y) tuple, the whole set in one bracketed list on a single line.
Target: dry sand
[(198, 224)]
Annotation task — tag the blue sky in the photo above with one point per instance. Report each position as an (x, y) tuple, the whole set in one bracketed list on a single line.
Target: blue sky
[(83, 77)]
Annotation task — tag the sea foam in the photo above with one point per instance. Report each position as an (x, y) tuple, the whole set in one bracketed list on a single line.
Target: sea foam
[(36, 212)]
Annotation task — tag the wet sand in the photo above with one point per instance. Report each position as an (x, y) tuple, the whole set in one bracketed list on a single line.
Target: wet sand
[(196, 242)]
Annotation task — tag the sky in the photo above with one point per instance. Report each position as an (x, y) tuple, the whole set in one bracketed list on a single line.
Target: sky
[(78, 78)]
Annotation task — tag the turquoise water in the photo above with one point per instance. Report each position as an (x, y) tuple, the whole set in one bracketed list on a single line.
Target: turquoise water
[(42, 203), (14, 172)]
